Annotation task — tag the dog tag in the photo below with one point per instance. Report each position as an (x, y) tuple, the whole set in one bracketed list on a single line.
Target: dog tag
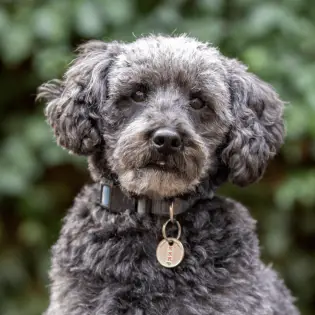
[(170, 252)]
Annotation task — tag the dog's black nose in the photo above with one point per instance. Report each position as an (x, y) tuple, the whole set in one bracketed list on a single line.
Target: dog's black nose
[(166, 140)]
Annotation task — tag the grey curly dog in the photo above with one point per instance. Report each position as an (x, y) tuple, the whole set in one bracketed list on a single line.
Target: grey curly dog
[(163, 120)]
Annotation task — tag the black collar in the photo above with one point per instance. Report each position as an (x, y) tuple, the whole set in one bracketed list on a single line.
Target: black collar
[(115, 200)]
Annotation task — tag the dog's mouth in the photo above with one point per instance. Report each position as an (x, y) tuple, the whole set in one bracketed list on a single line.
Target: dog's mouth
[(161, 166)]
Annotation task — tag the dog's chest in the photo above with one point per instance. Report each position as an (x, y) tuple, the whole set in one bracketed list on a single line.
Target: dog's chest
[(116, 265), (128, 271)]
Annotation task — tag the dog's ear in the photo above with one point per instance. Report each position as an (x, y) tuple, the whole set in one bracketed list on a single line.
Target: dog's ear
[(258, 128), (72, 103)]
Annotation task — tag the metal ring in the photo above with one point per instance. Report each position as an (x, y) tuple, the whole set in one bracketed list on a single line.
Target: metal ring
[(178, 227), (172, 212)]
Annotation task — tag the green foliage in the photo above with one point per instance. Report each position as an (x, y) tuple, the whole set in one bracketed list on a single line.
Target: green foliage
[(38, 180)]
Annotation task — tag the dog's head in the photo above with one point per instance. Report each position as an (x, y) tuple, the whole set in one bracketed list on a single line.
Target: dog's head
[(162, 113)]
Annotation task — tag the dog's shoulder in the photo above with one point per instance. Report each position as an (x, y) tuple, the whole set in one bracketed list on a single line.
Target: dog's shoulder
[(222, 210), (77, 222), (237, 211)]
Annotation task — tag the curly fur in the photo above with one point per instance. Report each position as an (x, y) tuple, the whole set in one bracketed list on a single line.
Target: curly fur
[(104, 263)]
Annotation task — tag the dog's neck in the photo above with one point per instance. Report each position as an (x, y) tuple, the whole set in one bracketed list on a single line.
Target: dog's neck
[(114, 199)]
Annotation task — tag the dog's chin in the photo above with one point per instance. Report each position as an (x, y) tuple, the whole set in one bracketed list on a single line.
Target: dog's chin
[(156, 184)]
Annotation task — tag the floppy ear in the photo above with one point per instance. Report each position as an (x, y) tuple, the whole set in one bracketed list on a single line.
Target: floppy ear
[(258, 129), (72, 103)]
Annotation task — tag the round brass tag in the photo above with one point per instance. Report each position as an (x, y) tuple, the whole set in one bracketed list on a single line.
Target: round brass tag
[(170, 252)]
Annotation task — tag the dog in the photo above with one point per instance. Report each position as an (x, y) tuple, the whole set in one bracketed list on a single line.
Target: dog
[(163, 122)]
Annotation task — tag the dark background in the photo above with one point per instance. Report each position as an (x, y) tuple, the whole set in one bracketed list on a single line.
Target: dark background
[(38, 181)]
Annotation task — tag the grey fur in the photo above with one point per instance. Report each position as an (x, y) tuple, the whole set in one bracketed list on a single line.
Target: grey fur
[(104, 263)]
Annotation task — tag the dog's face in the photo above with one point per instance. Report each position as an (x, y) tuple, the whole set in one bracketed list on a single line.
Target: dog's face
[(155, 112), (166, 114)]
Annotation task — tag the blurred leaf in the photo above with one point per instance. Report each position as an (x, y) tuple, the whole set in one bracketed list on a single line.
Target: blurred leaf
[(50, 25), (89, 21), (257, 57), (4, 21), (166, 16), (211, 6), (16, 43), (205, 29), (12, 182), (31, 233), (51, 61), (266, 17), (296, 121), (12, 271), (116, 12), (297, 187)]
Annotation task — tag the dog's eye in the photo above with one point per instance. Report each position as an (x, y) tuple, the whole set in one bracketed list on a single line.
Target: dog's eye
[(138, 96), (197, 103)]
